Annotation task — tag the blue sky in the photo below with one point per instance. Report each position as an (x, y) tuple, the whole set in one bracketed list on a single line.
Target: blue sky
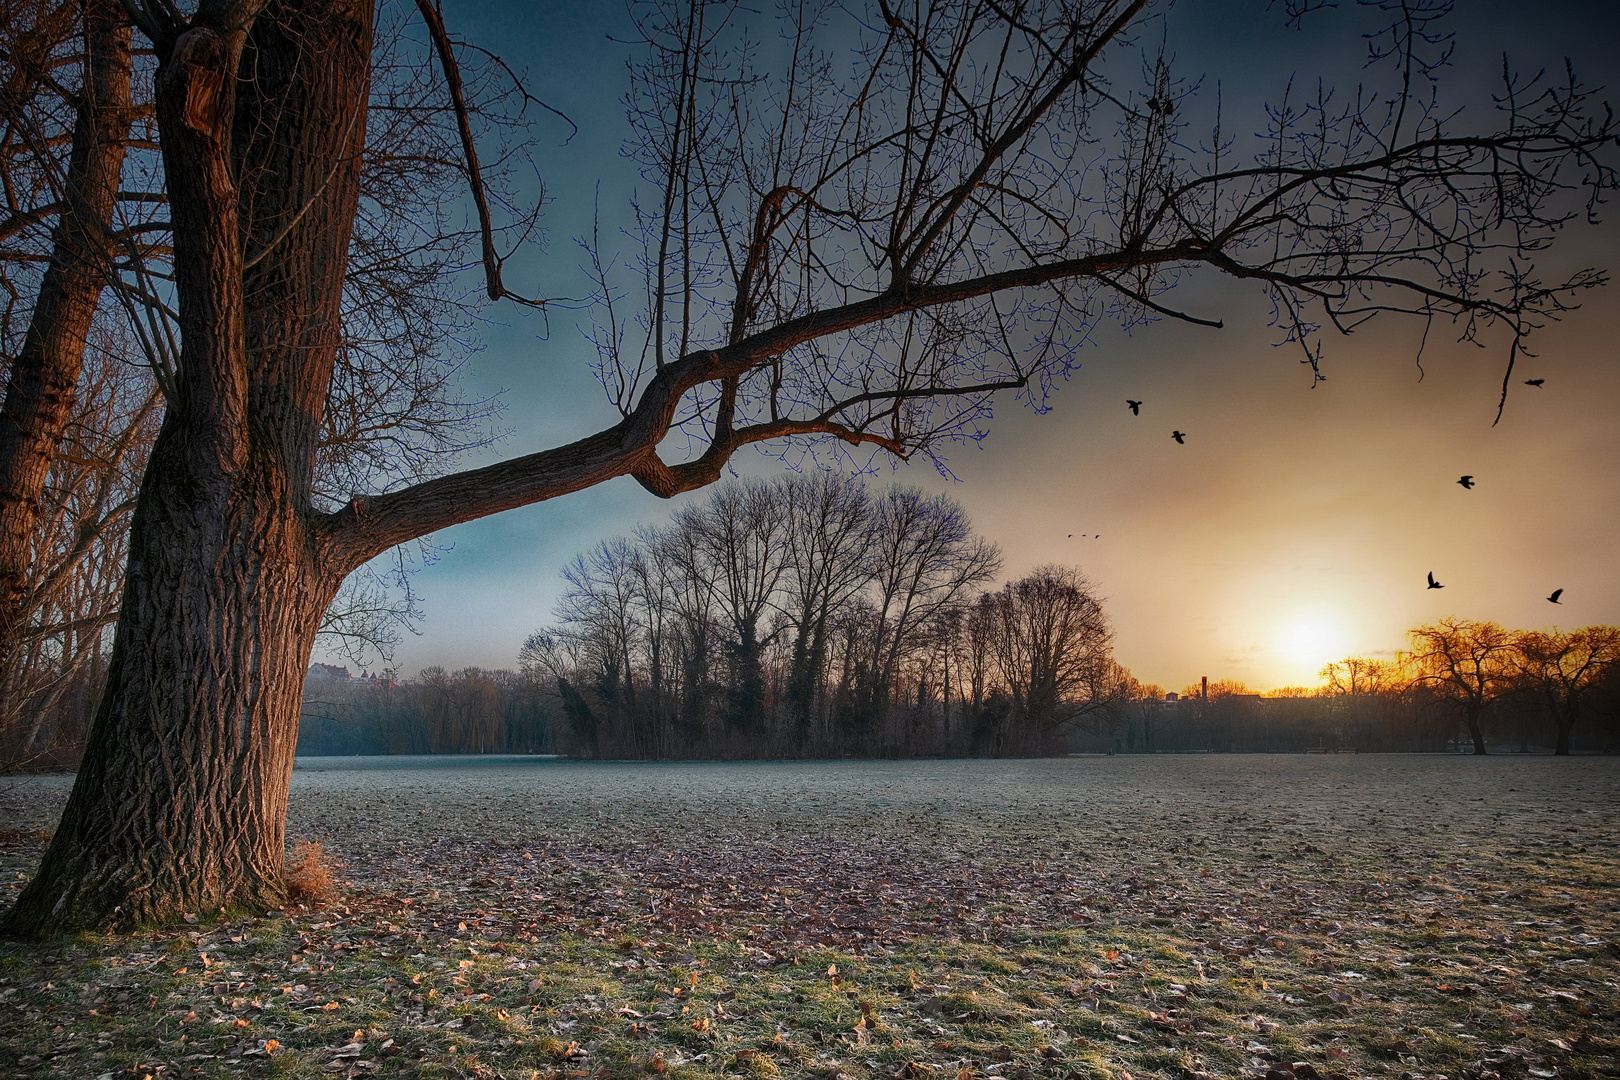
[(1297, 524)]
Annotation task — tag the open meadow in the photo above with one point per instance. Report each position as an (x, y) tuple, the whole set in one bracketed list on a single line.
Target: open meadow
[(1298, 916)]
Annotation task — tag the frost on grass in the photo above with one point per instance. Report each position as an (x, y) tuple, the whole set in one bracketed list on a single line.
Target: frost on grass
[(1292, 918)]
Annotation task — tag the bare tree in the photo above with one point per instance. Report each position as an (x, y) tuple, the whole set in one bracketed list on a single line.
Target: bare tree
[(944, 634), (79, 195), (655, 578), (75, 560), (602, 609), (691, 596), (978, 652), (1106, 700), (1563, 669), (1367, 690), (865, 252), (925, 560), (1468, 664), (1357, 675), (741, 535), (1054, 655), (71, 240), (1141, 703), (785, 577), (828, 562)]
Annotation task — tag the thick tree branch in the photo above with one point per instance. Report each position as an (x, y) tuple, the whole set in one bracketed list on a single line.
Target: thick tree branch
[(371, 525)]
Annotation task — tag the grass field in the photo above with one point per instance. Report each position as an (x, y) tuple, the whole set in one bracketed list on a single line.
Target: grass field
[(1300, 917)]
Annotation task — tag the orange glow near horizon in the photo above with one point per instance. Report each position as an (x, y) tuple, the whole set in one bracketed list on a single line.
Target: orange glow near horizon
[(1308, 641), (1302, 529)]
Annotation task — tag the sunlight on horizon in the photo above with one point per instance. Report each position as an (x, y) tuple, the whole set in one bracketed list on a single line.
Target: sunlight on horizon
[(1308, 641)]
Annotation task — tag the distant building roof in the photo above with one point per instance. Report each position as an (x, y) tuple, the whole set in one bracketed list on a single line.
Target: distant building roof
[(329, 671)]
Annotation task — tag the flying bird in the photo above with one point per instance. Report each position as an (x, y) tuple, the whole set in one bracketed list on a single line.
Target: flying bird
[(1433, 584), (1179, 436), (1534, 382), (1136, 407), (1556, 594), (1467, 482)]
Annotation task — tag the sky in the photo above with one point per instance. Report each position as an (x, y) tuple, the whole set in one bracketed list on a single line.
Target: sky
[(1294, 527)]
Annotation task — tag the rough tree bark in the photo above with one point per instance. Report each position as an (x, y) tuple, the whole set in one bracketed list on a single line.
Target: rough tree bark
[(180, 801), (40, 386)]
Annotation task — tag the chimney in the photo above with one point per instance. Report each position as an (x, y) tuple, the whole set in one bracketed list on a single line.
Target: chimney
[(1204, 693)]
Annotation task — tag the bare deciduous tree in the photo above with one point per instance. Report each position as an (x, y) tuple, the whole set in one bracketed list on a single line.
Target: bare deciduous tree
[(1358, 675), (740, 534), (1054, 653), (1563, 669), (393, 414), (764, 576), (1468, 664), (925, 559), (75, 559), (828, 562), (79, 195)]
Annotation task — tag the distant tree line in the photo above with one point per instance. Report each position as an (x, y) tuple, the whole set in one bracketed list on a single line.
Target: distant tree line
[(1520, 691), (471, 711), (811, 616), (1020, 670), (1462, 685)]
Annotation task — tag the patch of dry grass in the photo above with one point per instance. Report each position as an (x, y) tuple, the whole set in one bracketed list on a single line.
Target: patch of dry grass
[(310, 875)]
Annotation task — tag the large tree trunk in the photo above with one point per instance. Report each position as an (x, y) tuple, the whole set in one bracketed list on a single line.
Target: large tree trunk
[(181, 797), (180, 801), (40, 387)]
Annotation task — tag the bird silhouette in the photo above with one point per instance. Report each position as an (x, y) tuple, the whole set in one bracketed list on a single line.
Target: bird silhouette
[(1534, 382), (1179, 436), (1433, 584), (1555, 595), (1136, 407), (1467, 482)]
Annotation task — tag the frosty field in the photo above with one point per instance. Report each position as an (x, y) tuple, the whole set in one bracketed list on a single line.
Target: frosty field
[(1301, 916)]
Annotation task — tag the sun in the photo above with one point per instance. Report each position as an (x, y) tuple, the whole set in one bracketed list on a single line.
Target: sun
[(1311, 639)]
